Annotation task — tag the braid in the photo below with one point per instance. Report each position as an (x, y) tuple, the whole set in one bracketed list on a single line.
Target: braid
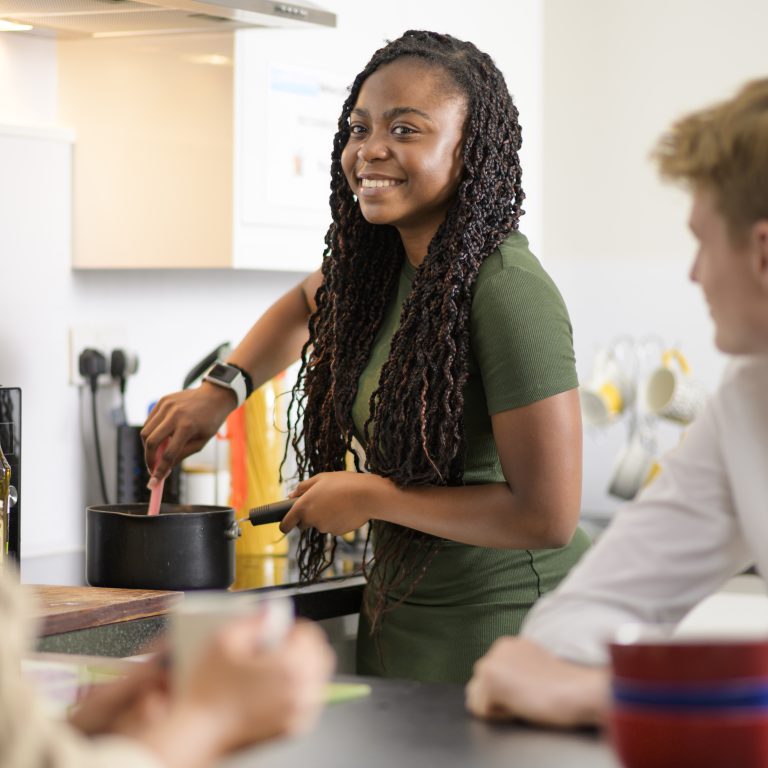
[(414, 434)]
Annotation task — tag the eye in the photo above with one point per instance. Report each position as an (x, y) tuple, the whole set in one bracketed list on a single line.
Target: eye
[(356, 129), (402, 130)]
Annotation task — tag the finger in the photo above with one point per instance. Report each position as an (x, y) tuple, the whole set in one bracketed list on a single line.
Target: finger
[(153, 706), (290, 521), (180, 445), (155, 417), (303, 487), (152, 442), (166, 457), (474, 699)]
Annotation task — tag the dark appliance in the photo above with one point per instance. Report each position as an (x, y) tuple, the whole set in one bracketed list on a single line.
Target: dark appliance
[(132, 473), (10, 442)]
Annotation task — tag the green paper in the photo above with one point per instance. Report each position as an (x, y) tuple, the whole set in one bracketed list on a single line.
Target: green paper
[(337, 692)]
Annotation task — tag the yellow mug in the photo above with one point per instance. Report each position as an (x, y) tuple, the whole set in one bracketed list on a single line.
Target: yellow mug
[(607, 393), (671, 392)]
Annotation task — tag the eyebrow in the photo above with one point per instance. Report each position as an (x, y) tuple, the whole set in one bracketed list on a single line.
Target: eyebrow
[(394, 112)]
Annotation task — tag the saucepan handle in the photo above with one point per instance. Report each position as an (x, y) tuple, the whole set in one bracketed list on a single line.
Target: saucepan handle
[(270, 513)]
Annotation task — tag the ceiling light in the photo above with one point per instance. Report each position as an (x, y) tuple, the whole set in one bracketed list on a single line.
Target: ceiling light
[(12, 26)]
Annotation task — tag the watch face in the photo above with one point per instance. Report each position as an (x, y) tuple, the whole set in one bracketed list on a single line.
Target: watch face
[(223, 373)]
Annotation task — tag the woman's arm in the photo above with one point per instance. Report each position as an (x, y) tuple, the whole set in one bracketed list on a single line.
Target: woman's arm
[(536, 508), (190, 418), (276, 338)]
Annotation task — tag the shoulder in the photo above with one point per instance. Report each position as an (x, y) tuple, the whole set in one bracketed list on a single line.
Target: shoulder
[(745, 373), (521, 335), (741, 396), (512, 284), (513, 268)]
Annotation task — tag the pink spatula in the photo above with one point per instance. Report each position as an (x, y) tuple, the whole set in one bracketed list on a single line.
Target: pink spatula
[(156, 494)]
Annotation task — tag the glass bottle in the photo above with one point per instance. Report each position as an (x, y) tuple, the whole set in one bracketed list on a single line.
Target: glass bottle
[(5, 493)]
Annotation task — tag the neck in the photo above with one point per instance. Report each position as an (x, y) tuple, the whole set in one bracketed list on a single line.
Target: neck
[(416, 245)]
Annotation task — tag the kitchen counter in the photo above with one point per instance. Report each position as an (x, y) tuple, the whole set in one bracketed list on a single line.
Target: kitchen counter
[(89, 620), (424, 724), (99, 621)]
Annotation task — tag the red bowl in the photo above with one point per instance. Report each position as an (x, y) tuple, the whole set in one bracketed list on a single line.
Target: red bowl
[(672, 661), (657, 739)]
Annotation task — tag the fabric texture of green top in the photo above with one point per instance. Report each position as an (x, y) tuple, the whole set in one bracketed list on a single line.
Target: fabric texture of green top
[(521, 352)]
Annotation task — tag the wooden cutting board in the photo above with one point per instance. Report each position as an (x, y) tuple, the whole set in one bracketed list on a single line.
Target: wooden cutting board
[(66, 609)]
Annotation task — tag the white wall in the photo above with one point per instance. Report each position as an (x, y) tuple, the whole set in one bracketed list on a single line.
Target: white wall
[(171, 318), (616, 74), (28, 82)]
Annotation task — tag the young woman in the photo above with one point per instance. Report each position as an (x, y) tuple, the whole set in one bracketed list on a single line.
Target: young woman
[(437, 343)]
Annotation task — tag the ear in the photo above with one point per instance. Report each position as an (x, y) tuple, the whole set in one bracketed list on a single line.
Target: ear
[(760, 252)]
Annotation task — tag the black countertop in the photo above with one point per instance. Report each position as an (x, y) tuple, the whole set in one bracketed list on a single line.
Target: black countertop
[(415, 725)]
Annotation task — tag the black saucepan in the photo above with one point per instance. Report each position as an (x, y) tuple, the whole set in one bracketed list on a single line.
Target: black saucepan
[(184, 547)]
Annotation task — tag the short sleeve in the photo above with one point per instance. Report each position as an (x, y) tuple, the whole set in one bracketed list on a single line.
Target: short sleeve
[(522, 339)]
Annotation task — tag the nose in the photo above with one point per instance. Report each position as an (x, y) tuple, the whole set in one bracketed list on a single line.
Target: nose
[(693, 272), (373, 148)]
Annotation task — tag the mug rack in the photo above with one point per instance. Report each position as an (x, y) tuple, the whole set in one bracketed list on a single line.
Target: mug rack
[(640, 382)]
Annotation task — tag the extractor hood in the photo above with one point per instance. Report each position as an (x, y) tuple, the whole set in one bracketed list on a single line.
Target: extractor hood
[(122, 18)]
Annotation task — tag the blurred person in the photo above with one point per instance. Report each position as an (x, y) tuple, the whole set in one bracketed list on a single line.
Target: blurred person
[(238, 695), (704, 518)]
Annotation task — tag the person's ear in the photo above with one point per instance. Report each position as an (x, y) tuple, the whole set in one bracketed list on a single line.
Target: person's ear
[(760, 252)]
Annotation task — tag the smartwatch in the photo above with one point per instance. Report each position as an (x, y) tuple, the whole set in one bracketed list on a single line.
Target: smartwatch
[(231, 377)]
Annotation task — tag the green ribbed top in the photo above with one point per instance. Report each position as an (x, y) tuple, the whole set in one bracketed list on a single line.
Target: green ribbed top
[(521, 352)]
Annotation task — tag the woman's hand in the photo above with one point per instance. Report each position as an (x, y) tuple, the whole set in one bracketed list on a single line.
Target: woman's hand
[(125, 705), (337, 502), (189, 419), (519, 678), (241, 694), (258, 695)]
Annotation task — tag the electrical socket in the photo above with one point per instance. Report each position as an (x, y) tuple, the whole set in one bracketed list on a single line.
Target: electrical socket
[(102, 338)]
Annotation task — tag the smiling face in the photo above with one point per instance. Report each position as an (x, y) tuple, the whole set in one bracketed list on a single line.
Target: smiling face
[(734, 279), (403, 156)]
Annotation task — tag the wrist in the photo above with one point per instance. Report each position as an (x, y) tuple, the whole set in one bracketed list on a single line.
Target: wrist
[(221, 395), (586, 695), (383, 500), (189, 737)]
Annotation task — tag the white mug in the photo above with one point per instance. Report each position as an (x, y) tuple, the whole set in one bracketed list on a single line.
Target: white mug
[(607, 393), (670, 391), (200, 614), (634, 468)]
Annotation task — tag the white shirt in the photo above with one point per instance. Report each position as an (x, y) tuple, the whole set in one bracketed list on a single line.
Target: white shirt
[(704, 519)]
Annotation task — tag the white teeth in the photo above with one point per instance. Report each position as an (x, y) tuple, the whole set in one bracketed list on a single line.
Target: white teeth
[(379, 182)]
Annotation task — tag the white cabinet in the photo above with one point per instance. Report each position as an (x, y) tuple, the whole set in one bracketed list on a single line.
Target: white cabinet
[(287, 101)]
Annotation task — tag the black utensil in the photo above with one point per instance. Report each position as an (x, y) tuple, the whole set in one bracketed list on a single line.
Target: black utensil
[(266, 513), (270, 513)]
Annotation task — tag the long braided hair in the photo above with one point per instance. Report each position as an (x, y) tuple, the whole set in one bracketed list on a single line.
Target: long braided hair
[(414, 434)]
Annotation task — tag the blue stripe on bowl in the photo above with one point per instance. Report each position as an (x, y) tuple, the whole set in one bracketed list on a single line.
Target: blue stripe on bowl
[(730, 694)]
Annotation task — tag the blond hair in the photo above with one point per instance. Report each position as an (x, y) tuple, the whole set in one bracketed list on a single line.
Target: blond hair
[(724, 148)]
